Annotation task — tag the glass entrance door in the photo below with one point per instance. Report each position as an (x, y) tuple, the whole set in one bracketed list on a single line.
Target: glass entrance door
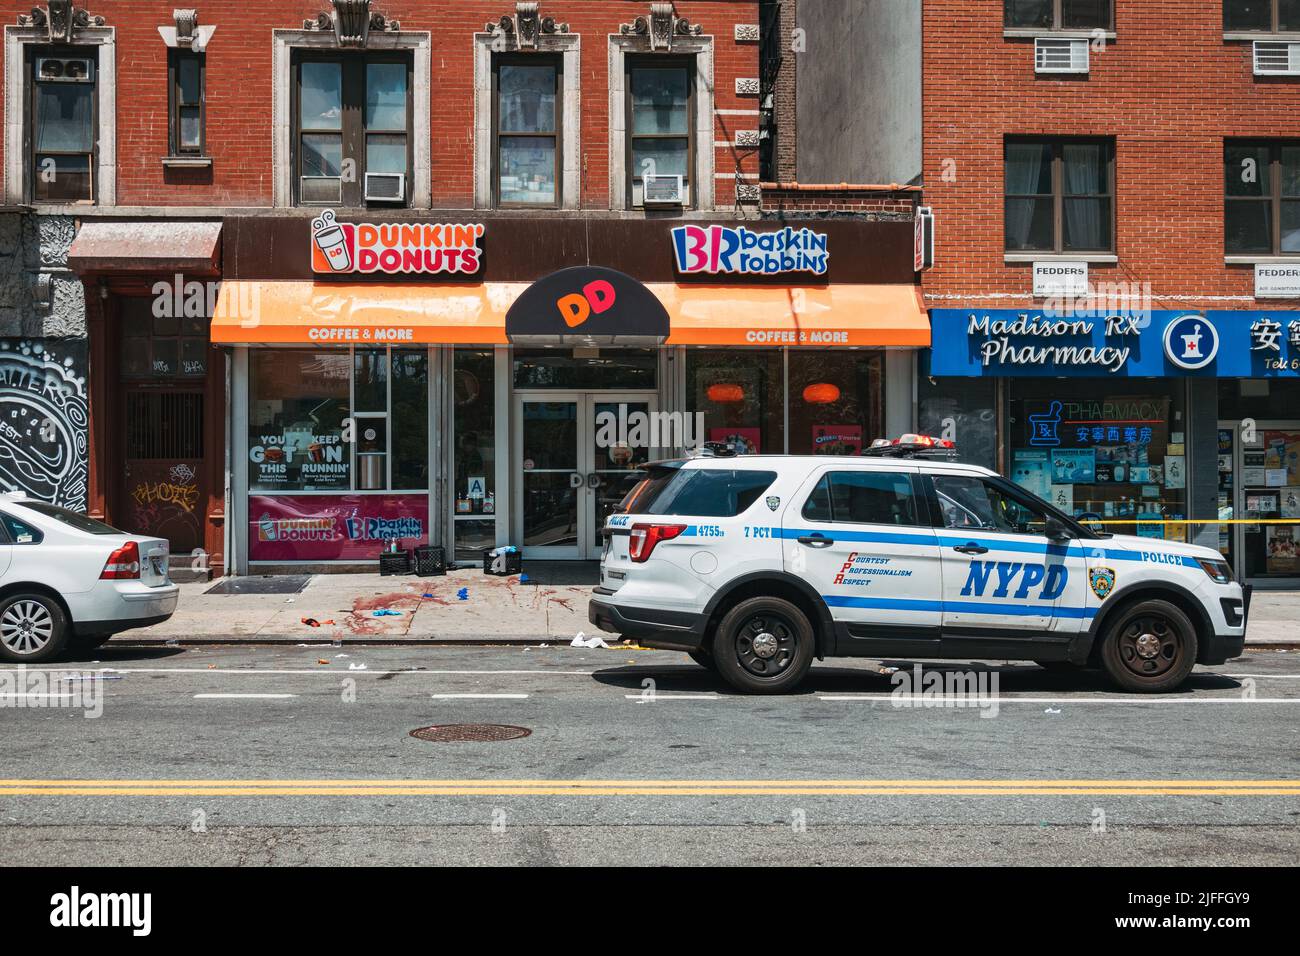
[(1263, 491), (579, 454)]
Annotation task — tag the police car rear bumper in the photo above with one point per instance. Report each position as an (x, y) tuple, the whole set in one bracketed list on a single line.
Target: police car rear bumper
[(653, 627)]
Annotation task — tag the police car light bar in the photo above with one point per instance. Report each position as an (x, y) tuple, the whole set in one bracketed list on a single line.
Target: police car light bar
[(912, 446)]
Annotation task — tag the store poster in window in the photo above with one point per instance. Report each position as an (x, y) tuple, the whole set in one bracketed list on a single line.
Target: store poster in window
[(299, 458), (837, 439), (748, 441), (1104, 459), (334, 527)]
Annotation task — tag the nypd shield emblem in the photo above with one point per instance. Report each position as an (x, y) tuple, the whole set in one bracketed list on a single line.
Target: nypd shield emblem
[(773, 502), (1102, 581)]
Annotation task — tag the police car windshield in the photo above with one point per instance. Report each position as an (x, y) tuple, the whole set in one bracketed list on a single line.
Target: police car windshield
[(705, 492)]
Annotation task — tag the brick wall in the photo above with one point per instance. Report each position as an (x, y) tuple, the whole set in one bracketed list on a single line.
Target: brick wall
[(1169, 88), (239, 126), (789, 199)]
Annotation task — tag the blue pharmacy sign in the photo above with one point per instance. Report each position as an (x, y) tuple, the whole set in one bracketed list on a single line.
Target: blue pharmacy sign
[(1156, 344)]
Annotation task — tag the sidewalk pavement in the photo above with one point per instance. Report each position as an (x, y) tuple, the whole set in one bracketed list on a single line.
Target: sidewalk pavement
[(493, 610)]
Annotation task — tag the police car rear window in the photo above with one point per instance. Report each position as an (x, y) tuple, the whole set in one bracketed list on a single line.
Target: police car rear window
[(704, 492)]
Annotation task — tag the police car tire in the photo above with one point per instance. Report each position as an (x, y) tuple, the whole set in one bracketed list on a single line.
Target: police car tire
[(703, 658), (730, 642), (1117, 647), (41, 609)]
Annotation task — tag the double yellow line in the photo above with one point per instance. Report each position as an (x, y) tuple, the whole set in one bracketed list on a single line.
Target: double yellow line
[(647, 788)]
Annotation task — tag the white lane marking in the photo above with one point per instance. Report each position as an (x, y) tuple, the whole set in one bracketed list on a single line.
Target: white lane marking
[(35, 696), (937, 702), (1262, 676), (243, 696), (478, 696), (651, 698), (242, 670)]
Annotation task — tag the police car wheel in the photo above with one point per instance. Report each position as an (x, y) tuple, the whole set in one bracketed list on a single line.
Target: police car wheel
[(1150, 647), (763, 645), (703, 658)]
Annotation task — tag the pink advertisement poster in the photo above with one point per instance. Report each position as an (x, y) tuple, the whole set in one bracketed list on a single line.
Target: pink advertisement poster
[(748, 441), (334, 527)]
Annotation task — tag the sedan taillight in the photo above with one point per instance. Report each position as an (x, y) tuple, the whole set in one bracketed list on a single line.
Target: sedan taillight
[(124, 563), (644, 537)]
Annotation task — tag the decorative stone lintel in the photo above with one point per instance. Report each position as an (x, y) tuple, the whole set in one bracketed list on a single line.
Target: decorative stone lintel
[(660, 27), (746, 137), (351, 21), (61, 20), (525, 26), (747, 33), (185, 33), (746, 86), (748, 192)]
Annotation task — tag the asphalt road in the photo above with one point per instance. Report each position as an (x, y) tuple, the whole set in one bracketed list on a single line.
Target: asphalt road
[(304, 754)]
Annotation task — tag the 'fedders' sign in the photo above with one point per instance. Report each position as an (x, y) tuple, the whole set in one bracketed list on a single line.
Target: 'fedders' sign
[(394, 247)]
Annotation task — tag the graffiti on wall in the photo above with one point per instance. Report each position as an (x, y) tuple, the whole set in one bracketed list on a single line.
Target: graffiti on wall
[(43, 419), (166, 505)]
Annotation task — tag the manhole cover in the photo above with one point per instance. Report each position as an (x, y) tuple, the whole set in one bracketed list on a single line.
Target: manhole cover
[(481, 733)]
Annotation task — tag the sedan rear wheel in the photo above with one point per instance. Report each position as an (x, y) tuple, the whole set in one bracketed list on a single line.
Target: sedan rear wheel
[(33, 628)]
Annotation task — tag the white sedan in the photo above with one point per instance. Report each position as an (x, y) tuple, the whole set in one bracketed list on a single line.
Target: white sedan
[(67, 580)]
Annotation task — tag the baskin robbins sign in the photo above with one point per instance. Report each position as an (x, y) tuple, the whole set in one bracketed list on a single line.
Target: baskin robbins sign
[(738, 250), (394, 248), (1009, 342)]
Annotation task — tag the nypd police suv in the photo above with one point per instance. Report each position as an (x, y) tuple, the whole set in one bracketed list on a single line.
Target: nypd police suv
[(755, 565)]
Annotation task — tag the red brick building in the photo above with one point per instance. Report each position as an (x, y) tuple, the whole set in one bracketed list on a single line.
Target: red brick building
[(304, 231), (1150, 150)]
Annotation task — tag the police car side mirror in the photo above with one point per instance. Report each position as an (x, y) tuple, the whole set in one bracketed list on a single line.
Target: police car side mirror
[(1057, 530)]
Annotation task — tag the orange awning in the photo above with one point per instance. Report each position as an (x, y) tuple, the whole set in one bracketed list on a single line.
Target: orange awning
[(329, 313), (307, 313), (863, 315)]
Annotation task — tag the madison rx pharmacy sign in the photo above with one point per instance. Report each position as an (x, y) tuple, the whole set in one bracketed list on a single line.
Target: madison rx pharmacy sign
[(1156, 344), (394, 248)]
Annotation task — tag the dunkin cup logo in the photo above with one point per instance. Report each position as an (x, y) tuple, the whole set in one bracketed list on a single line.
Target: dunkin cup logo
[(332, 242)]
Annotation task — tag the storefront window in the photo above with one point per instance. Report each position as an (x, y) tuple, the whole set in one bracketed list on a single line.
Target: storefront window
[(1103, 451), (1259, 475), (474, 454), (836, 405), (304, 406), (741, 394), (610, 368), (963, 410), (298, 404)]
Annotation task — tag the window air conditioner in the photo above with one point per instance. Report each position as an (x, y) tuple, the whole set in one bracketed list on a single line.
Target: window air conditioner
[(385, 187), (60, 69), (1060, 55), (662, 191), (1277, 58)]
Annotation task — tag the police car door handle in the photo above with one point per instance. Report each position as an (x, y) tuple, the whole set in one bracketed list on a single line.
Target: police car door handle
[(816, 541), (971, 548)]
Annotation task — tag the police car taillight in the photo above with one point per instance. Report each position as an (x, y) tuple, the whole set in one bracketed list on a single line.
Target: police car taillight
[(644, 537), (122, 564)]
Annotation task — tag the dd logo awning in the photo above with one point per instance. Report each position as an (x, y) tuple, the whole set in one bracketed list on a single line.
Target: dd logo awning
[(587, 305)]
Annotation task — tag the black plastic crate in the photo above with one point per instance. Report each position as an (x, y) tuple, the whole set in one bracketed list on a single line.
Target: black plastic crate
[(514, 563), (430, 561), (395, 562)]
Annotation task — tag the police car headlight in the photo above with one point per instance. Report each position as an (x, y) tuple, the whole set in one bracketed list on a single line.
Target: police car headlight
[(1218, 571)]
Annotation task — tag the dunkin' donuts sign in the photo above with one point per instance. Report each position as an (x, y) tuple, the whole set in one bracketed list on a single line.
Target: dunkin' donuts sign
[(394, 247)]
